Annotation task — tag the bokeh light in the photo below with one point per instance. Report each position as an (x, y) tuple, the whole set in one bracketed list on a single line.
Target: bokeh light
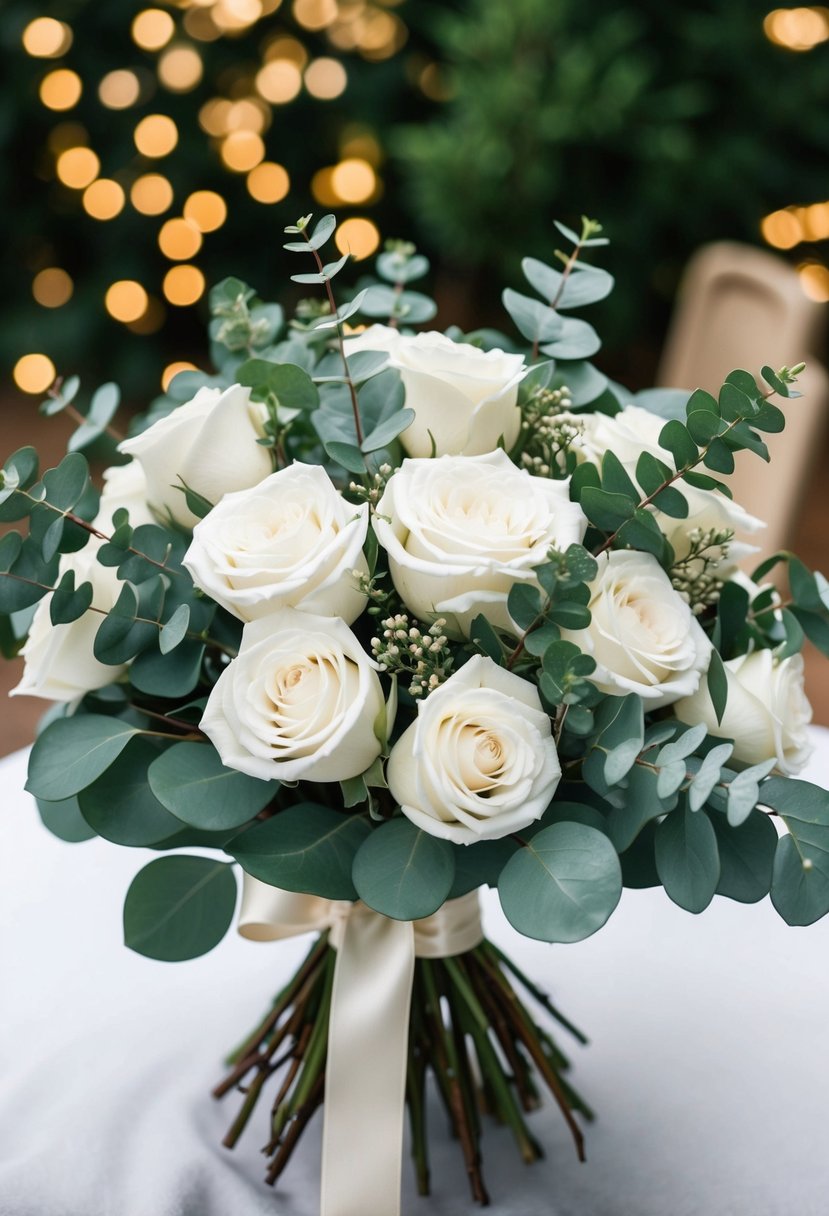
[(268, 182), (179, 239), (52, 287), (285, 47), (156, 135), (357, 236), (206, 209), (180, 69), (151, 319), (242, 150), (233, 16), (152, 29), (104, 199), (279, 81), (781, 229), (173, 369), (119, 89), (77, 167), (151, 194), (325, 79), (315, 14), (353, 180), (46, 38), (125, 300), (797, 29), (183, 285), (34, 373), (814, 279), (61, 89)]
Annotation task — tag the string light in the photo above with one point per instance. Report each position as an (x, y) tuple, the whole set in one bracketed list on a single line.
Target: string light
[(357, 236), (797, 29), (788, 227), (183, 285), (152, 29), (180, 69), (172, 369), (206, 209), (242, 150), (353, 180), (315, 14), (52, 287), (46, 38), (104, 199), (279, 81), (151, 194), (34, 373), (814, 279), (119, 89), (325, 79), (77, 167), (179, 240), (268, 182), (125, 300), (156, 135), (61, 89)]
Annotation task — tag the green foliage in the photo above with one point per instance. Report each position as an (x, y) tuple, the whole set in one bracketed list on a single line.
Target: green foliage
[(120, 804), (190, 780), (64, 820), (179, 907), (800, 883), (402, 871), (562, 885), (687, 858), (72, 752)]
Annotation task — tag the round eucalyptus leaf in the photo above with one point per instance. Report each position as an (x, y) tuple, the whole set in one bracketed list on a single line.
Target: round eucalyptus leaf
[(190, 780), (120, 805), (73, 752), (179, 907), (402, 871)]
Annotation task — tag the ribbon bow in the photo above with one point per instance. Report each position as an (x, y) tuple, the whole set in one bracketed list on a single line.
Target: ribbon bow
[(365, 1078)]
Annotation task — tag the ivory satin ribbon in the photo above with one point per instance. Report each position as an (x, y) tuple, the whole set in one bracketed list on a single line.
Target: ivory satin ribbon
[(365, 1076)]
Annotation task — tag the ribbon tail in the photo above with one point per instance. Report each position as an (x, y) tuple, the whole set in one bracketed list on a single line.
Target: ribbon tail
[(365, 1086)]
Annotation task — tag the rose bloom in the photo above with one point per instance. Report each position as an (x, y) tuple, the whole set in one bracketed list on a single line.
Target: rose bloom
[(464, 399), (459, 531), (766, 712), (210, 443), (635, 430), (292, 540), (642, 634), (125, 486), (479, 761), (59, 662), (300, 700)]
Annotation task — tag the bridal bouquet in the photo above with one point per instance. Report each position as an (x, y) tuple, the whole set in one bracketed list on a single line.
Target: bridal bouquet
[(380, 617)]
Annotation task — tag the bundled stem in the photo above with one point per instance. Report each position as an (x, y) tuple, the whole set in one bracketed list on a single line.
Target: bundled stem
[(468, 1027)]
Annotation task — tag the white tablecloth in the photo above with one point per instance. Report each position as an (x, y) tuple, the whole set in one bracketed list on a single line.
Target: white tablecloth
[(708, 1066)]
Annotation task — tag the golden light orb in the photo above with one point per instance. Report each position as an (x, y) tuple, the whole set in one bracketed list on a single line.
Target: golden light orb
[(325, 79), (151, 320), (233, 16), (46, 38), (199, 24), (52, 287), (285, 47), (797, 29), (248, 114), (104, 199), (61, 89), (315, 14), (814, 279), (66, 135), (268, 182), (279, 81), (34, 373), (242, 150), (353, 180), (172, 369), (322, 189), (183, 285), (179, 240), (206, 209), (781, 229), (152, 29), (180, 68), (156, 135), (119, 90), (77, 167), (213, 116), (357, 236), (126, 300), (151, 194)]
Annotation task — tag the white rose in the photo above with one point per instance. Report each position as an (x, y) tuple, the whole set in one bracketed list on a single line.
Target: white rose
[(209, 443), (464, 398), (635, 430), (124, 486), (459, 531), (479, 761), (59, 662), (766, 712), (642, 634), (299, 701), (290, 541)]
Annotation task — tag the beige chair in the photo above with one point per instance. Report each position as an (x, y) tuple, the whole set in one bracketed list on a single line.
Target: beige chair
[(742, 307)]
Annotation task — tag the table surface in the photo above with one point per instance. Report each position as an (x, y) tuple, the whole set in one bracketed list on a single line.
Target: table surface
[(708, 1064)]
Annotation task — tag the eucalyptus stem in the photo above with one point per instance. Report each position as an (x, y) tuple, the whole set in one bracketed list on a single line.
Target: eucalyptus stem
[(355, 405)]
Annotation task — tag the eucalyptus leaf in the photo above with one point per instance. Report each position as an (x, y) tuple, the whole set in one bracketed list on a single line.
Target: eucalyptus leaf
[(179, 907), (72, 752), (402, 871), (190, 780)]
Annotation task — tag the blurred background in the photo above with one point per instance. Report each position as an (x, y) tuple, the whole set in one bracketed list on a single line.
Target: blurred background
[(153, 149)]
